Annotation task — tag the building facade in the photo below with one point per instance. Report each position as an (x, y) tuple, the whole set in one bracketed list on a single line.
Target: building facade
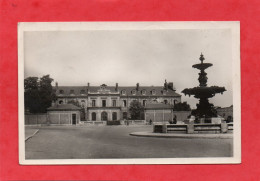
[(106, 103)]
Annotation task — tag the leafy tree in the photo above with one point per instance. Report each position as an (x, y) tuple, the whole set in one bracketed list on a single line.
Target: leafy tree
[(47, 93), (136, 110), (31, 94), (38, 93), (182, 106)]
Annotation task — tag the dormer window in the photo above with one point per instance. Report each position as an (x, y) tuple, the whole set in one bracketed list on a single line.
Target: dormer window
[(123, 92), (133, 92), (82, 92), (103, 86), (143, 92), (61, 91), (153, 92), (72, 91), (164, 92)]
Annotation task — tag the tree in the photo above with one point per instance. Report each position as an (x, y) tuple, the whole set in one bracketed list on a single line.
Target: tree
[(38, 93), (136, 110), (182, 106), (31, 94), (47, 93)]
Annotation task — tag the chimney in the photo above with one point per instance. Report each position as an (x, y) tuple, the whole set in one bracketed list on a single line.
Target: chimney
[(56, 85), (88, 84), (166, 85), (137, 86), (116, 86)]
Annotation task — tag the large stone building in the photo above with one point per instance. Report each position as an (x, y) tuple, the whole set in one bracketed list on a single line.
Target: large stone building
[(105, 103)]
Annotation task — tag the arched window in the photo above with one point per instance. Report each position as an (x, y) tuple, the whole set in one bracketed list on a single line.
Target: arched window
[(83, 103), (153, 92), (143, 92), (61, 102), (104, 116), (114, 116), (61, 91), (133, 92), (93, 116)]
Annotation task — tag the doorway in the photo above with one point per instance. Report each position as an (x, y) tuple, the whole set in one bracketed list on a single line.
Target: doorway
[(74, 119)]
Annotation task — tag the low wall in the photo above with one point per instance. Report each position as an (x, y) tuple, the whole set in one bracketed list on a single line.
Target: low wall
[(93, 122), (193, 128), (133, 122), (35, 119)]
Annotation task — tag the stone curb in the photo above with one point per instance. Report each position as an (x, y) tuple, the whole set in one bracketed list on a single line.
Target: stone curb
[(28, 137), (190, 136)]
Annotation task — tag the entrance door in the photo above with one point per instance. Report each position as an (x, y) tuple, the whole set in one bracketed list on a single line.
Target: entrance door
[(74, 118)]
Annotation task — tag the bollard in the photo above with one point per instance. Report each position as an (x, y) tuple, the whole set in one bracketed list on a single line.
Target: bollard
[(224, 127), (164, 128), (190, 128)]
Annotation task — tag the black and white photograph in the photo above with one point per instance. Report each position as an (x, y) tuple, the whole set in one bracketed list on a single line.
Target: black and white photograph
[(129, 93)]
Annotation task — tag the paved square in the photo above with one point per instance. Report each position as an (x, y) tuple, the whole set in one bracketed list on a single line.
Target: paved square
[(88, 142)]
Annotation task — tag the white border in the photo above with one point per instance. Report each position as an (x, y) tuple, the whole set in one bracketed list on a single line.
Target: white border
[(84, 26)]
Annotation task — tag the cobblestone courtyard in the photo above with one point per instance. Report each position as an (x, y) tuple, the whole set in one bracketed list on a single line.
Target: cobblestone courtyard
[(85, 142)]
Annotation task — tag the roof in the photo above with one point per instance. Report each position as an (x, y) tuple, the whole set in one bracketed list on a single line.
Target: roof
[(158, 106), (84, 90), (63, 107)]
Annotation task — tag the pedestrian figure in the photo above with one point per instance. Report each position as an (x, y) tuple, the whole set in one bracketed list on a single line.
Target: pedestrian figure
[(175, 119), (127, 122), (150, 122)]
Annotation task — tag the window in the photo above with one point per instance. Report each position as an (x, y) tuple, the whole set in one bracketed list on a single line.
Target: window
[(104, 102), (164, 92), (144, 102), (61, 102), (153, 92), (93, 115), (82, 92), (71, 91), (124, 103), (82, 102), (93, 103), (123, 92), (114, 103), (104, 116), (61, 91), (114, 116), (143, 92), (165, 101), (133, 92)]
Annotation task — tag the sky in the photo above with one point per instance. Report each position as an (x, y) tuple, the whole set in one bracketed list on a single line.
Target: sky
[(127, 57)]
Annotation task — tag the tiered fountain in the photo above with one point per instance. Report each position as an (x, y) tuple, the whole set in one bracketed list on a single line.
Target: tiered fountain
[(206, 118), (203, 92)]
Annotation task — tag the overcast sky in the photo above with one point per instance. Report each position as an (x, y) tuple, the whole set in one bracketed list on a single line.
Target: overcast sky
[(130, 56)]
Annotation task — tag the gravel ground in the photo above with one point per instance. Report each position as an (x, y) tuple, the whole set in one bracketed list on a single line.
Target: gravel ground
[(84, 142)]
